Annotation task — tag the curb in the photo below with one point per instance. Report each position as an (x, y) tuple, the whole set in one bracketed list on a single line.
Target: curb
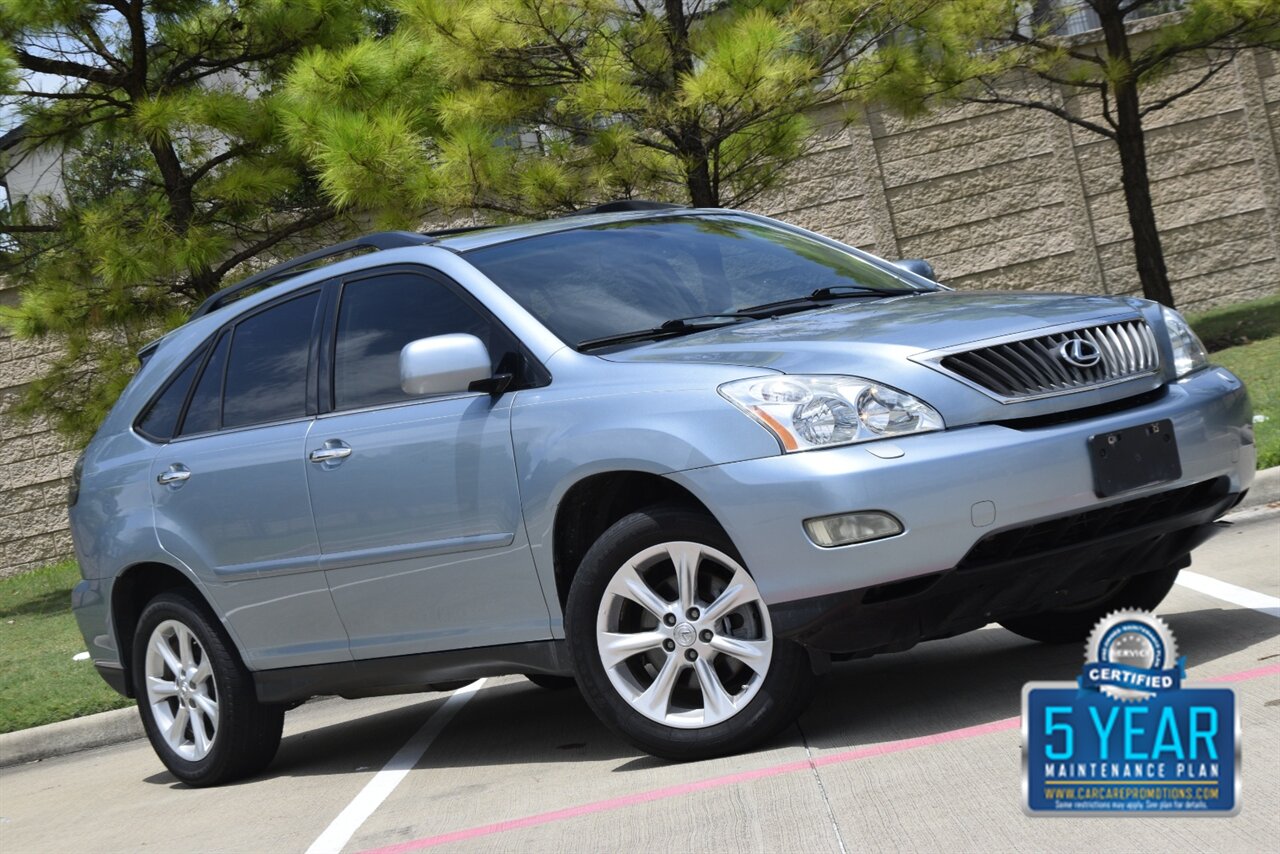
[(121, 725), (64, 737), (1265, 489)]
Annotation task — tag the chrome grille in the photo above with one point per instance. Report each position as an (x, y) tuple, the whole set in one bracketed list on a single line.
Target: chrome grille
[(1036, 367)]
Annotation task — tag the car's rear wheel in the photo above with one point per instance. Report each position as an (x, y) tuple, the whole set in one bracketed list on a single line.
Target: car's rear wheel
[(672, 642), (1073, 623), (197, 701)]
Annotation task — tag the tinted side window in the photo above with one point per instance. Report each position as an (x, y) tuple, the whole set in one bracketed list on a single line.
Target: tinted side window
[(378, 316), (161, 419), (205, 409), (267, 370)]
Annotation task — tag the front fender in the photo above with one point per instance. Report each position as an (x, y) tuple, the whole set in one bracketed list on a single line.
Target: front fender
[(562, 436)]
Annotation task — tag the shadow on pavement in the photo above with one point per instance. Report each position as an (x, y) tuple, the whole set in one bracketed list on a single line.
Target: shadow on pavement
[(937, 686), (978, 678)]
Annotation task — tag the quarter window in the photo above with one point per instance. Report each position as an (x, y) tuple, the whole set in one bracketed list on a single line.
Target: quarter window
[(161, 420), (205, 410), (267, 368), (379, 315)]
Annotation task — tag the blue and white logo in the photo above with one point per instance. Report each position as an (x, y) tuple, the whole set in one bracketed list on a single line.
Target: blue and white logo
[(1130, 736), (1131, 655)]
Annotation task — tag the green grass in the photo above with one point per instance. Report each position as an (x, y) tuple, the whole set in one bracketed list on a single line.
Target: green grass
[(1258, 365), (39, 683), (1245, 339), (1237, 325)]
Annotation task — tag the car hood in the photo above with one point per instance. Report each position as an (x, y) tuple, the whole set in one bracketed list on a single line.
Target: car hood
[(913, 323), (876, 339)]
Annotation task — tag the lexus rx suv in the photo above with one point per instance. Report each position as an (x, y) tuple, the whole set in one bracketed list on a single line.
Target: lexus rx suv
[(682, 458)]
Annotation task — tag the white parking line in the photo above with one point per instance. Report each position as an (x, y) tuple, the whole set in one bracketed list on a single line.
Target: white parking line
[(342, 828), (1232, 593)]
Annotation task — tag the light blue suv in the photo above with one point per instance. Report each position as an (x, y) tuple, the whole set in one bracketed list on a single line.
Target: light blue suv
[(685, 458)]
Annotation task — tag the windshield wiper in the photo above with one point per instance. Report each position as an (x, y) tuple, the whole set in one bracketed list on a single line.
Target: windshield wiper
[(821, 294), (686, 325), (669, 329)]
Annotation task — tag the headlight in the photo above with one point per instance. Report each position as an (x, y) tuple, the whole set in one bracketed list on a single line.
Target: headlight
[(824, 411), (1188, 352)]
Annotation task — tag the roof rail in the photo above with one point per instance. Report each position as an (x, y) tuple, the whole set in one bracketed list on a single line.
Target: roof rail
[(626, 205), (457, 229), (377, 242)]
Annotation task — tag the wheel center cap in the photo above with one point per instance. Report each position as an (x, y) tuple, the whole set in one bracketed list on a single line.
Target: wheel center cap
[(685, 634)]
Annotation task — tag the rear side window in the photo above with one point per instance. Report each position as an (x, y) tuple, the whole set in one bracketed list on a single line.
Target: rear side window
[(161, 419), (379, 315), (205, 409), (266, 376)]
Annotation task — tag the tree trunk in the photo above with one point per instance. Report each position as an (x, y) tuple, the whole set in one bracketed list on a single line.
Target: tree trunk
[(1134, 177), (690, 142), (698, 174)]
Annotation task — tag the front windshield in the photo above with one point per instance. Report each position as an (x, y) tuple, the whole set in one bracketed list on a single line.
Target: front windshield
[(605, 280)]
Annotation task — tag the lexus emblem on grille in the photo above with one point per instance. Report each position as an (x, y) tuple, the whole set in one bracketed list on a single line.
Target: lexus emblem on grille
[(1079, 352)]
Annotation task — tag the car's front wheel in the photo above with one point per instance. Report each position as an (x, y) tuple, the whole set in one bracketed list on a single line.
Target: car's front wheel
[(197, 701), (672, 642)]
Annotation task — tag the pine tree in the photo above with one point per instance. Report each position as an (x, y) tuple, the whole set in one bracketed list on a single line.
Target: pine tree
[(176, 171), (521, 107)]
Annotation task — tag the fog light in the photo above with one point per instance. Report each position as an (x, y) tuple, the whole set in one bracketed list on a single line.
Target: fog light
[(848, 528)]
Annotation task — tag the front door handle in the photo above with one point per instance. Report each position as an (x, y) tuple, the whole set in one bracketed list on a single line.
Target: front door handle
[(175, 476), (333, 452)]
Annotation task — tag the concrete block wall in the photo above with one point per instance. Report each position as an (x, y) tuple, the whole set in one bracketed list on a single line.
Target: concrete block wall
[(1009, 198), (996, 198), (34, 465)]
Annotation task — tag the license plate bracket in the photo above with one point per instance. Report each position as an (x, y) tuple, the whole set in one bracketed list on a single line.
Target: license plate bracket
[(1134, 457)]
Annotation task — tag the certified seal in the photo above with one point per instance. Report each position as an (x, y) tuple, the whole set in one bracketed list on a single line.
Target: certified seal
[(1131, 655)]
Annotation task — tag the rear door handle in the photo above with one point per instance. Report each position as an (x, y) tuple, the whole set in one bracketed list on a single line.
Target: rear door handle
[(333, 452), (175, 476)]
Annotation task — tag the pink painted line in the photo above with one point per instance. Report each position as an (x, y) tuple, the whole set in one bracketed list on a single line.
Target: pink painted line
[(678, 790), (1246, 675), (699, 786)]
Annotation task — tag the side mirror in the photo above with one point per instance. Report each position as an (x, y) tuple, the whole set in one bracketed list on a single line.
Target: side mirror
[(919, 266), (444, 364)]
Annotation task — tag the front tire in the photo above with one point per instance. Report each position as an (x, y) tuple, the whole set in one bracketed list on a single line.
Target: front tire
[(1073, 624), (672, 644), (197, 700)]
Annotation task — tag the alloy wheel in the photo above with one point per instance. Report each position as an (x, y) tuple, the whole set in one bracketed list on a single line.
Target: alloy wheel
[(181, 690), (683, 635)]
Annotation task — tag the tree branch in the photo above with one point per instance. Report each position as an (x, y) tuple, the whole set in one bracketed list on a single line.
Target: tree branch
[(76, 95), (1187, 90), (66, 68), (1051, 47), (318, 218), (28, 229), (214, 162), (1153, 59), (1054, 109)]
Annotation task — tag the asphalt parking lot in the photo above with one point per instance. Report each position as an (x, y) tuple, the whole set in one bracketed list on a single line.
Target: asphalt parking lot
[(919, 751)]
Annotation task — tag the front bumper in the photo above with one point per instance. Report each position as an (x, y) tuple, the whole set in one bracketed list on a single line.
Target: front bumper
[(954, 488), (1014, 573)]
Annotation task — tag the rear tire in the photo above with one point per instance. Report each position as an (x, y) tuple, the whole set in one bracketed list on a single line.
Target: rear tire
[(678, 686), (196, 698), (1073, 624)]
